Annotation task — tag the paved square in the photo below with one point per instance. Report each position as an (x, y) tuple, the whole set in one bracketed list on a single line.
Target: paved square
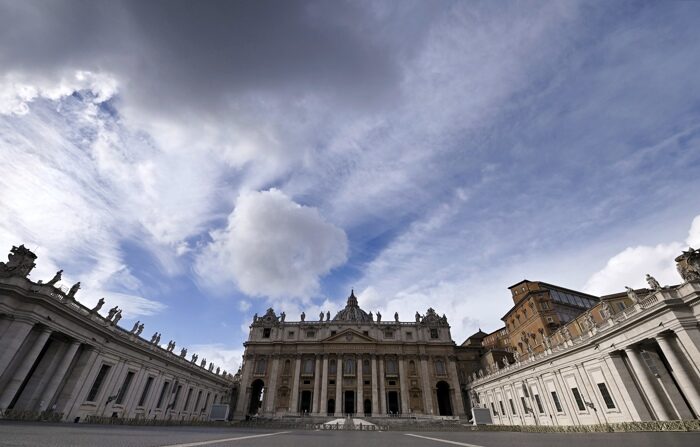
[(69, 435)]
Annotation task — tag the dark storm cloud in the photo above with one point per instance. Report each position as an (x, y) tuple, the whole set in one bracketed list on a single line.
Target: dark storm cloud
[(209, 52)]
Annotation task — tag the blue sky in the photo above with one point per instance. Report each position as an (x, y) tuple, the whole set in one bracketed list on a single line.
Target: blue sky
[(198, 165)]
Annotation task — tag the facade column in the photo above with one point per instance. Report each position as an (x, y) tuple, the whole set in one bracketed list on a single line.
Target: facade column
[(317, 386), (74, 390), (339, 386), (57, 376), (427, 389), (20, 374), (375, 391), (647, 384), (323, 405), (243, 397), (271, 392), (294, 405), (12, 340), (403, 386), (686, 381), (382, 392), (360, 400), (454, 378)]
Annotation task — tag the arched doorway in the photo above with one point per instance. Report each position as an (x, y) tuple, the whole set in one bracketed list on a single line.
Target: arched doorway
[(443, 398), (349, 407), (368, 407), (256, 395), (305, 406), (331, 407), (393, 402)]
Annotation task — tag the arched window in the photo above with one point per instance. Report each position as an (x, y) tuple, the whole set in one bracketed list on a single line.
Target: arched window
[(391, 367), (332, 367), (308, 366), (440, 369), (349, 367), (260, 365)]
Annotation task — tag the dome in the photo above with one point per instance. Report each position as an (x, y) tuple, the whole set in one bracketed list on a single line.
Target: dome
[(352, 311)]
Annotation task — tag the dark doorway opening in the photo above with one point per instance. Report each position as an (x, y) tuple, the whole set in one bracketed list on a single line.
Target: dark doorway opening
[(256, 396), (393, 402), (331, 407), (368, 407), (305, 406), (349, 402), (443, 398)]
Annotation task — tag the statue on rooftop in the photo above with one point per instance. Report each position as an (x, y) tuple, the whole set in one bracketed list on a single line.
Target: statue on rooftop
[(255, 317), (417, 317), (218, 370), (328, 315), (283, 316), (112, 312), (183, 352), (140, 329), (153, 338), (605, 310), (73, 290), (211, 366), (117, 317), (158, 338), (688, 264), (632, 295), (379, 317), (653, 283), (203, 363), (99, 305), (20, 262), (505, 361), (371, 316), (194, 358), (56, 278), (320, 316), (135, 328), (303, 316), (396, 317)]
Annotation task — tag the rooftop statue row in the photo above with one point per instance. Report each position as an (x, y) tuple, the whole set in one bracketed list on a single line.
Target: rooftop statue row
[(20, 264), (351, 313)]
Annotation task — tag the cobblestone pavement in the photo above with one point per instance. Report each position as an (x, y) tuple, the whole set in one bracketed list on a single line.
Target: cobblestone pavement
[(59, 435)]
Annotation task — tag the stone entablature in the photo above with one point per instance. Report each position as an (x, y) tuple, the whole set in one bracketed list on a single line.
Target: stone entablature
[(58, 355)]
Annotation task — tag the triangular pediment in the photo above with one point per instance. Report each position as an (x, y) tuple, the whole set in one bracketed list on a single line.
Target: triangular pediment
[(349, 336)]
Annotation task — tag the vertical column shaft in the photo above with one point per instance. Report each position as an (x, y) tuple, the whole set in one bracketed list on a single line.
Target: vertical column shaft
[(323, 404), (454, 379), (359, 405), (271, 391), (403, 385), (12, 340), (294, 405), (317, 386), (375, 391), (427, 389), (57, 376), (649, 387), (339, 386), (23, 369), (686, 382), (382, 381)]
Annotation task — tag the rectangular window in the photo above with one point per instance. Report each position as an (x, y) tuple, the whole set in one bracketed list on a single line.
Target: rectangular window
[(177, 396), (187, 400), (95, 389), (522, 402), (266, 332), (434, 333), (365, 333), (440, 369), (260, 365), (333, 333), (621, 305), (579, 399), (388, 334), (196, 402), (146, 389), (349, 367), (557, 404), (162, 394), (308, 367), (503, 409), (494, 409), (310, 334), (512, 406), (124, 388), (290, 334), (409, 335), (206, 402), (606, 396), (539, 403)]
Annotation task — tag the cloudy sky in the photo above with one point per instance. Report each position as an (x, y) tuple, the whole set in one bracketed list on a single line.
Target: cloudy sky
[(198, 162)]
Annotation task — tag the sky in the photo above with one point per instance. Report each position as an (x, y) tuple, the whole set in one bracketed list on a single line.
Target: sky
[(198, 162)]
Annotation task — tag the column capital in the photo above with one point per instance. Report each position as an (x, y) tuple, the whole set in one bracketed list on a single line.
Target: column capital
[(666, 335)]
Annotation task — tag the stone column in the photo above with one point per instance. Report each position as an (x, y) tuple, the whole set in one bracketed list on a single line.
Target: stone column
[(57, 376), (294, 402), (689, 339), (375, 391), (454, 380), (271, 391), (686, 381), (12, 340), (23, 369), (648, 385), (403, 385), (317, 387), (241, 404), (360, 400), (339, 386), (427, 389), (323, 405), (74, 390), (382, 382)]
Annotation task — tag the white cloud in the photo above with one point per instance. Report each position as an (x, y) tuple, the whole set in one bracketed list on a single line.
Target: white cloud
[(629, 267), (225, 357), (273, 247)]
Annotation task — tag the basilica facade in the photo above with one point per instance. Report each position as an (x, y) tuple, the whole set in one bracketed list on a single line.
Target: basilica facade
[(353, 364)]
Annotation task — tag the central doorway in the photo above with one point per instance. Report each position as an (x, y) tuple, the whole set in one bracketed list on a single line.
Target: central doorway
[(349, 402), (393, 401), (368, 407), (443, 398), (331, 407), (305, 406)]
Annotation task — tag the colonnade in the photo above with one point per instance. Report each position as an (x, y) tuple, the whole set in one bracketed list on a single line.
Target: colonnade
[(44, 369)]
